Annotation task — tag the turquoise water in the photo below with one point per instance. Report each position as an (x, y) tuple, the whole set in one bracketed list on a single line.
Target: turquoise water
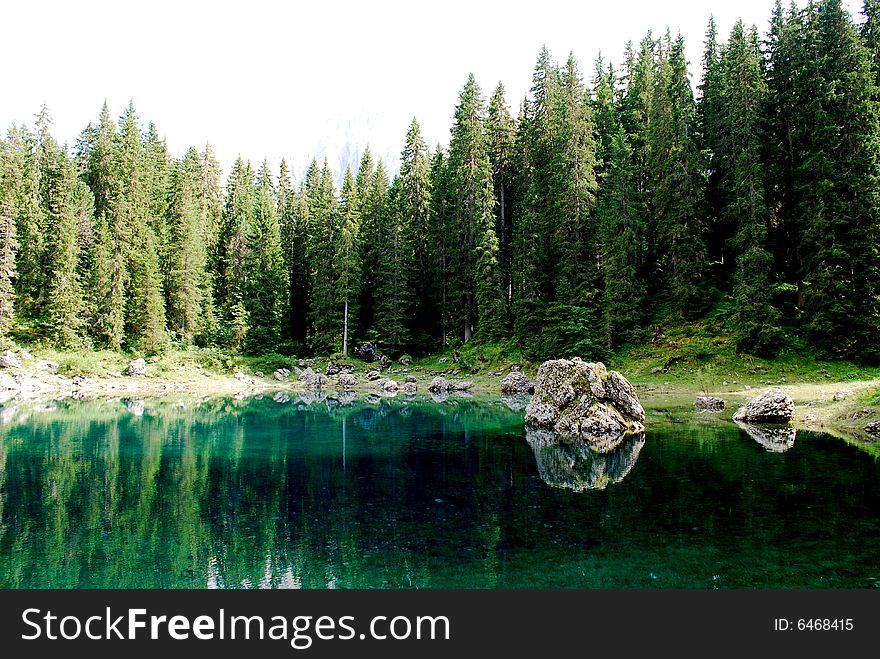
[(399, 493)]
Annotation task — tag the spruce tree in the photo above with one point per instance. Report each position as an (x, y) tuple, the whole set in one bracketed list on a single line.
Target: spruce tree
[(472, 202), (8, 237), (187, 284), (264, 276), (415, 213), (678, 183), (347, 257), (837, 184), (325, 317), (736, 122)]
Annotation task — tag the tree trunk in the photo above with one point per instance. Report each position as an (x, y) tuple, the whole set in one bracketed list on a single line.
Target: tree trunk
[(345, 331)]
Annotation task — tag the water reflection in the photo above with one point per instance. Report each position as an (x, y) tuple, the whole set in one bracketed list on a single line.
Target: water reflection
[(340, 491), (575, 464), (776, 439)]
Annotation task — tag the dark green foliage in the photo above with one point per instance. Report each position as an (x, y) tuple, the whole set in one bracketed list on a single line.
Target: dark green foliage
[(676, 205), (471, 204), (738, 94), (563, 231), (264, 277)]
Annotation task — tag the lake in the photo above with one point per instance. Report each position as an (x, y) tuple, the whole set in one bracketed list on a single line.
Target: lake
[(285, 492)]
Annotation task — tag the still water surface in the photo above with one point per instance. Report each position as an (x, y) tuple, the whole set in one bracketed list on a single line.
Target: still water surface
[(404, 493)]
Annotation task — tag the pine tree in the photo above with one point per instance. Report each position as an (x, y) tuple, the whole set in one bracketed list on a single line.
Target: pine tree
[(837, 185), (394, 282), (472, 202), (736, 123), (415, 211), (372, 189), (439, 236), (187, 283), (678, 183), (238, 216), (65, 295), (8, 237), (347, 257), (264, 276), (619, 220), (325, 318), (501, 135)]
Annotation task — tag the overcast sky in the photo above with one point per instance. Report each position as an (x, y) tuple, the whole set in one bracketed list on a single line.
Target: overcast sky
[(293, 79)]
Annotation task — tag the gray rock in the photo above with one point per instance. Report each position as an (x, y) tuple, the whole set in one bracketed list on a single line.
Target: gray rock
[(776, 439), (709, 404), (843, 394), (8, 383), (810, 418), (873, 428), (439, 385), (410, 387), (241, 377), (387, 385), (333, 369), (281, 374), (406, 360), (366, 352), (312, 380), (411, 378), (346, 381), (26, 355), (464, 385), (9, 360), (136, 367), (259, 374), (372, 376), (772, 406), (578, 398), (78, 381), (517, 382)]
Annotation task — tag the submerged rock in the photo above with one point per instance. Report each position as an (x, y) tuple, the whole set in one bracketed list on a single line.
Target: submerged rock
[(572, 463), (772, 406), (584, 399), (517, 382), (709, 404), (410, 387), (776, 439), (136, 367)]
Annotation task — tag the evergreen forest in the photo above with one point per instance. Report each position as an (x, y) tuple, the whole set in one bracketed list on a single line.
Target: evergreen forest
[(568, 222)]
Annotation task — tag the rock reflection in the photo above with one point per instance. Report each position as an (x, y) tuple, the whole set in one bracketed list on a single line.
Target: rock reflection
[(777, 439), (574, 464)]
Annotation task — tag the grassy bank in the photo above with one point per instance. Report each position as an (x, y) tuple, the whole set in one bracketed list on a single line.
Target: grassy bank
[(679, 361)]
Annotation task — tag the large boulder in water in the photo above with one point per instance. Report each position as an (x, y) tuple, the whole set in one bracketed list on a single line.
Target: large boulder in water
[(772, 406), (579, 398), (574, 464)]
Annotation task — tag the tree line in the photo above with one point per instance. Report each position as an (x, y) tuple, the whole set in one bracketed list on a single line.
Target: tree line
[(602, 206)]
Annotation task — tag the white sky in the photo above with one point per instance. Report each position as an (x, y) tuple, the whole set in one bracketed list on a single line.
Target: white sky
[(299, 79)]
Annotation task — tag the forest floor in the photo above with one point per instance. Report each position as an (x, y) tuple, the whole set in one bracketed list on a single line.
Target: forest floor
[(671, 369)]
